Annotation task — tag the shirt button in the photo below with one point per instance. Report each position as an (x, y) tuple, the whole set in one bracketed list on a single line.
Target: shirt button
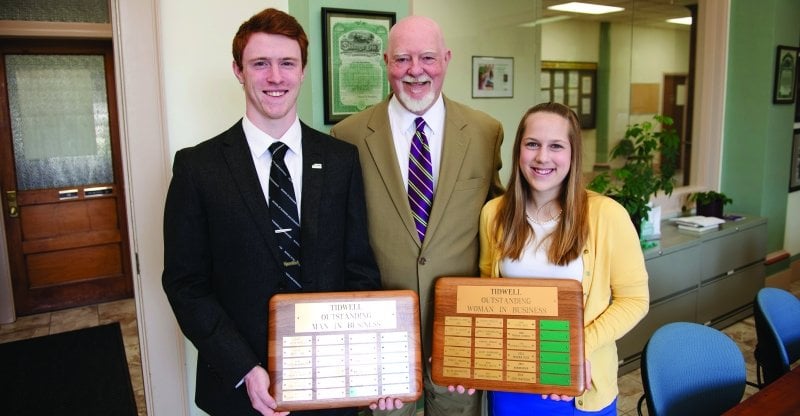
[(422, 261), (580, 402), (586, 251)]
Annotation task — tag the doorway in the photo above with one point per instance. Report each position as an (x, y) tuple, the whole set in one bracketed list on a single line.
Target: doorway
[(61, 176), (675, 105)]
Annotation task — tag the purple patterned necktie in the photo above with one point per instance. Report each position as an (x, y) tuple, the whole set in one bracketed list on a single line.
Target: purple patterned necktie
[(420, 178)]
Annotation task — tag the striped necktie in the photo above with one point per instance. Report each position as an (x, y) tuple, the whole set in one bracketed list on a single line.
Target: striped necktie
[(420, 178), (283, 212)]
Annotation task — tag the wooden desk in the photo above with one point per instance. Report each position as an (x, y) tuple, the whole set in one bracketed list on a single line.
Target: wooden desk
[(782, 397)]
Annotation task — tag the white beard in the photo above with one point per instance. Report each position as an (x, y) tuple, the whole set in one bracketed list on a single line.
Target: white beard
[(417, 105)]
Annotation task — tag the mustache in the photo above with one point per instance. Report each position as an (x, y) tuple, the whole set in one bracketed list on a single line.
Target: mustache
[(422, 78)]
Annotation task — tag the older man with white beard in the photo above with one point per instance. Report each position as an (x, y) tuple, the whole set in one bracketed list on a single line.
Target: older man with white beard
[(429, 165)]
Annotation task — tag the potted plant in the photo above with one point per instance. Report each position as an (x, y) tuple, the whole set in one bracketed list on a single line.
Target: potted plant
[(709, 203), (638, 178)]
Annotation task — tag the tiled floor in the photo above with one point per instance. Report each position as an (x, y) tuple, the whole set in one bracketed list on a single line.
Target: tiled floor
[(124, 311)]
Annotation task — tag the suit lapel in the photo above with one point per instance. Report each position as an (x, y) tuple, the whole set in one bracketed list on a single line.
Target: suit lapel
[(381, 148), (240, 165), (313, 175), (454, 150)]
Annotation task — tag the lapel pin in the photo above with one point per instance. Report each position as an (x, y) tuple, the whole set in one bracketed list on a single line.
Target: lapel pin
[(316, 166)]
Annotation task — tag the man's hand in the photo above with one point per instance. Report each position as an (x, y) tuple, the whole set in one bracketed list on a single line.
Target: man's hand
[(257, 382), (386, 403)]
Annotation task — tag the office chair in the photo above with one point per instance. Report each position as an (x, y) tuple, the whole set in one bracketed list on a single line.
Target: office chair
[(777, 317), (691, 369)]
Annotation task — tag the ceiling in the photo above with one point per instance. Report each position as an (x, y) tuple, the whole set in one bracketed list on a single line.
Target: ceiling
[(640, 12)]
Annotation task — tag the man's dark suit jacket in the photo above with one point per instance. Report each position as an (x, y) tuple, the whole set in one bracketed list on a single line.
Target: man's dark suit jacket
[(221, 259)]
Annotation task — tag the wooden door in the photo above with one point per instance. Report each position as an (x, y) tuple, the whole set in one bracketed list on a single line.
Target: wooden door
[(675, 104), (60, 174)]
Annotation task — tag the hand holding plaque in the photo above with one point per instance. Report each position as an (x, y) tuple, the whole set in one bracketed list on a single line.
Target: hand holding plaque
[(521, 335), (344, 349)]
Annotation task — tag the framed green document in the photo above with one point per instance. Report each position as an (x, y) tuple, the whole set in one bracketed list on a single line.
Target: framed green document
[(354, 73), (343, 349), (518, 335)]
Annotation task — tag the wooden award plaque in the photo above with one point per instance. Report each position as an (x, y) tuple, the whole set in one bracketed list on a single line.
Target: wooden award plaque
[(343, 349), (518, 335)]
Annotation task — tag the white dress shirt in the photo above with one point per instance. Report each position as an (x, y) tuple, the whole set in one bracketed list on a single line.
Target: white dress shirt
[(259, 143), (404, 128)]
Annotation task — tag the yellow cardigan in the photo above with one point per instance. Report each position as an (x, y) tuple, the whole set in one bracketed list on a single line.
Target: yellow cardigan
[(615, 293)]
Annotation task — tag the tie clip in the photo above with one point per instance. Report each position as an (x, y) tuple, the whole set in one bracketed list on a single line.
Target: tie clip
[(291, 263), (316, 166), (282, 230)]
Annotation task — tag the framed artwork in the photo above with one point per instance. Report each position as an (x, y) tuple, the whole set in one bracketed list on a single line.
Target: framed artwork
[(492, 77), (354, 73), (797, 101), (794, 178), (785, 89)]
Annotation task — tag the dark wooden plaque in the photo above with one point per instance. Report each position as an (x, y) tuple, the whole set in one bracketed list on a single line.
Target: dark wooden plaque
[(343, 349), (518, 335)]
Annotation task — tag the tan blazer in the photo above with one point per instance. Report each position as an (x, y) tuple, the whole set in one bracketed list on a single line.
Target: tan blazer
[(468, 178)]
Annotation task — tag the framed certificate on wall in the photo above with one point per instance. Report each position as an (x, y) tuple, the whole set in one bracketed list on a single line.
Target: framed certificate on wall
[(354, 73)]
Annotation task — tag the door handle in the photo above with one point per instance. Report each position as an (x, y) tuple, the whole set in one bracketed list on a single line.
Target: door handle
[(13, 209)]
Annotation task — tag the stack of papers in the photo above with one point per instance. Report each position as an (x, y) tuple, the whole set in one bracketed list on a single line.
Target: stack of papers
[(698, 223)]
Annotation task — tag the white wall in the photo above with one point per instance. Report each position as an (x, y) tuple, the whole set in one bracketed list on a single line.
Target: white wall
[(583, 38), (201, 95), (145, 164), (658, 51)]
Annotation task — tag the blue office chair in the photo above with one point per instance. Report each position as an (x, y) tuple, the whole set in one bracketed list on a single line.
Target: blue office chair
[(691, 369), (777, 316)]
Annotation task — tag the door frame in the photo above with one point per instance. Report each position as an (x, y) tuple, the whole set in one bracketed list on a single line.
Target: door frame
[(104, 288), (146, 165), (684, 130)]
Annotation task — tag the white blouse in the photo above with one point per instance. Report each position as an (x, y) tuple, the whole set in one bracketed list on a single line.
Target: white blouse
[(534, 263)]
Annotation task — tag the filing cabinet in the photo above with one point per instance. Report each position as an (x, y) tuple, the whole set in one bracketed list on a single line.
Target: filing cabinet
[(710, 278)]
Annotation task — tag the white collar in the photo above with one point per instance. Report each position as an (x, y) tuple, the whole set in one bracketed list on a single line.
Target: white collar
[(434, 117), (260, 141)]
